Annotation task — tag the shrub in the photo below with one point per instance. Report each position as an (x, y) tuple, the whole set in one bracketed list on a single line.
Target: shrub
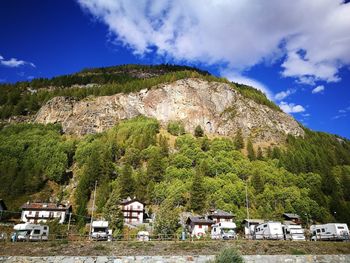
[(175, 128), (198, 132), (229, 255)]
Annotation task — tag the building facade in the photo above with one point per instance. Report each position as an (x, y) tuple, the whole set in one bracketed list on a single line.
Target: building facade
[(43, 212), (199, 226), (220, 216), (133, 211)]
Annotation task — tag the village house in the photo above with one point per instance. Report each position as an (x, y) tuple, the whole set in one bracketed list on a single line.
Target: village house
[(249, 226), (291, 219), (43, 212), (220, 216), (198, 225), (133, 211)]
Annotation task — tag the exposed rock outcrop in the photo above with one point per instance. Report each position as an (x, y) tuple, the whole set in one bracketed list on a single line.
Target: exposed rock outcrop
[(215, 106)]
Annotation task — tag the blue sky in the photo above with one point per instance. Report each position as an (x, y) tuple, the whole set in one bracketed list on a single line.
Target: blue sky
[(295, 51)]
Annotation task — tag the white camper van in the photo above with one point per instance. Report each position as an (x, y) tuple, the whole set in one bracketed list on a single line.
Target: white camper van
[(100, 230), (223, 230), (293, 232), (332, 231), (269, 230), (30, 232)]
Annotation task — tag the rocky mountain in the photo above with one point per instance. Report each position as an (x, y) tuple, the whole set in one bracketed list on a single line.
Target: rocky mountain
[(215, 106)]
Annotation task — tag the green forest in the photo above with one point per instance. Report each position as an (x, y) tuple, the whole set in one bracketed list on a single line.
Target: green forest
[(310, 176), (168, 168)]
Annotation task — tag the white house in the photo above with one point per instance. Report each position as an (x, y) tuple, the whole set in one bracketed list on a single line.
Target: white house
[(199, 226), (42, 212), (133, 211)]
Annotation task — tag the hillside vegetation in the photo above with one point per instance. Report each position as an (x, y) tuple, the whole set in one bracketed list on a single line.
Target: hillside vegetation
[(310, 176)]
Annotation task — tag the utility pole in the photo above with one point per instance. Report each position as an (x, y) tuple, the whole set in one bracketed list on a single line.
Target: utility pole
[(247, 203), (70, 216), (93, 208)]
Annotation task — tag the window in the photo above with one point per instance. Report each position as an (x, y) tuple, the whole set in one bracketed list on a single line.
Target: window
[(323, 230), (199, 226), (30, 212), (45, 227), (340, 227), (36, 231), (318, 231), (265, 225)]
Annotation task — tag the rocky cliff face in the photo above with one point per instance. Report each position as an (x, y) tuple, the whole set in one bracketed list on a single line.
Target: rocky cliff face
[(215, 106)]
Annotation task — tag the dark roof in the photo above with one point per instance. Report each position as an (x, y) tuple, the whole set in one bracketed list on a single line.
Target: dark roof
[(291, 216), (254, 221), (220, 213), (130, 200), (199, 220), (2, 204), (45, 206)]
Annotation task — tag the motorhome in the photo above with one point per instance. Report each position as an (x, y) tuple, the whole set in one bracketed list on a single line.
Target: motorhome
[(100, 230), (30, 232), (293, 232), (223, 230), (268, 230), (331, 231)]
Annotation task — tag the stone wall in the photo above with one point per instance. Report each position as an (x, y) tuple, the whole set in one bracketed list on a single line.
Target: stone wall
[(178, 259)]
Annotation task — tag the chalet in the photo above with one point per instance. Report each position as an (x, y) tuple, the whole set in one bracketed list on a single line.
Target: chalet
[(2, 205), (220, 216), (198, 225), (43, 212), (291, 219), (133, 211), (249, 226)]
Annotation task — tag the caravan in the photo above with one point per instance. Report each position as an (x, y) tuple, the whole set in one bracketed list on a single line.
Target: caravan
[(293, 232), (30, 232), (269, 230), (332, 231), (100, 230), (223, 230)]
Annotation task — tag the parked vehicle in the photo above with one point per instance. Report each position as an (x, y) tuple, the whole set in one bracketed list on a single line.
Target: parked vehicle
[(100, 230), (30, 232), (143, 236), (223, 230), (332, 231), (293, 232), (269, 230)]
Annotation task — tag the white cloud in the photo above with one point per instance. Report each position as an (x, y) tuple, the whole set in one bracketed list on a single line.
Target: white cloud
[(318, 89), (14, 62), (284, 94), (291, 107), (311, 37)]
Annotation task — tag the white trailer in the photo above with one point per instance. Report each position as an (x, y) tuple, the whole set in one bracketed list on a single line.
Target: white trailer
[(100, 230), (223, 230), (30, 232), (331, 231), (268, 230), (293, 232)]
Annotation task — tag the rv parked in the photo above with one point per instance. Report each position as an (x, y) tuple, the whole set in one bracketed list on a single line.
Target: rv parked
[(30, 232), (293, 232), (332, 231), (269, 230), (100, 230), (223, 230)]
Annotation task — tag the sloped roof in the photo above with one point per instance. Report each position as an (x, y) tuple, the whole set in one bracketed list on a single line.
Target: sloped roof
[(254, 221), (130, 200), (45, 206), (291, 216)]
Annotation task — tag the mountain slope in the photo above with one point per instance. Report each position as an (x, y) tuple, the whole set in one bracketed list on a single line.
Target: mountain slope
[(215, 106)]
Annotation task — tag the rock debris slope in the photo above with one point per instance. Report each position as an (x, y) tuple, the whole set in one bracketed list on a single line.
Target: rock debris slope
[(216, 107)]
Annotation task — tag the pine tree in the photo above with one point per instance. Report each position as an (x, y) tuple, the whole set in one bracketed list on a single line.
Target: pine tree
[(126, 182), (250, 151), (238, 140), (197, 193), (113, 214), (259, 154), (198, 131)]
